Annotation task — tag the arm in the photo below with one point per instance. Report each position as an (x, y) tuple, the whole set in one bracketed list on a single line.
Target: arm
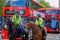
[(13, 18)]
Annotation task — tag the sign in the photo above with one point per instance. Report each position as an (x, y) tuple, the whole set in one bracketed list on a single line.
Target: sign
[(36, 13)]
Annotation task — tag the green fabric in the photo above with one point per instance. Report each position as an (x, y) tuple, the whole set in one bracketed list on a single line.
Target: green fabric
[(39, 22), (16, 20)]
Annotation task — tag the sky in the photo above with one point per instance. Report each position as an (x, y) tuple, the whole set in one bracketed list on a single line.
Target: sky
[(53, 3)]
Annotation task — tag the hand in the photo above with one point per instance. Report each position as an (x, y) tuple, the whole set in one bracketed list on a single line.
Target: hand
[(6, 27)]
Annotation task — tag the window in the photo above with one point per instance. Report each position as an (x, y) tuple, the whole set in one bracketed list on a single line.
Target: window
[(21, 11), (0, 22), (9, 11), (13, 11), (52, 12), (53, 23), (16, 3), (42, 11), (59, 11)]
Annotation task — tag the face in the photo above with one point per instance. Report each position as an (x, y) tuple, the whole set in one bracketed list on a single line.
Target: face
[(16, 14)]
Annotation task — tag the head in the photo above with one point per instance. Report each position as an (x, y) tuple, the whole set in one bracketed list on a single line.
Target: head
[(39, 15), (17, 13)]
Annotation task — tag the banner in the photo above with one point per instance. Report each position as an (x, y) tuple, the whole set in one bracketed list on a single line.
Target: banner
[(36, 13)]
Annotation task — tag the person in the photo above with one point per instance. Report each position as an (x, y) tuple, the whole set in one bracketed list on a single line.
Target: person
[(16, 18), (15, 25), (9, 24), (39, 22)]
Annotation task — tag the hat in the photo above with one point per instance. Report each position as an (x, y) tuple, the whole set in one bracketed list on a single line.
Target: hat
[(16, 12), (39, 15)]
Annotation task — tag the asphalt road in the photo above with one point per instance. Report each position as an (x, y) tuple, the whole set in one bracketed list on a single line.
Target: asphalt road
[(49, 37), (53, 37)]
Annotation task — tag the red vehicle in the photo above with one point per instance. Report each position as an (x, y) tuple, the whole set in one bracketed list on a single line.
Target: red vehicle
[(24, 7), (51, 20)]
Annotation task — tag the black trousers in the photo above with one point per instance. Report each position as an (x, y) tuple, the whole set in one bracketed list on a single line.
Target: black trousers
[(14, 33), (43, 31)]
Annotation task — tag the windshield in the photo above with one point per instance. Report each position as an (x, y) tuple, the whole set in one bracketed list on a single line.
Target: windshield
[(16, 3), (52, 12)]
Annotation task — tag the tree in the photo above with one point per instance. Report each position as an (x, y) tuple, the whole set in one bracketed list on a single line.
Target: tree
[(1, 5), (44, 3)]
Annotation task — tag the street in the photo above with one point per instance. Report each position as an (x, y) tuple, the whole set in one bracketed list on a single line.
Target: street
[(49, 37), (53, 37)]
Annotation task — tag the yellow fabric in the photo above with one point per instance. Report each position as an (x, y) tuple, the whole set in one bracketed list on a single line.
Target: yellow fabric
[(39, 22), (16, 20)]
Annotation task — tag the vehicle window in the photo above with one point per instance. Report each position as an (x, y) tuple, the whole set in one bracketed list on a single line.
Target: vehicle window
[(16, 3), (13, 11), (52, 11)]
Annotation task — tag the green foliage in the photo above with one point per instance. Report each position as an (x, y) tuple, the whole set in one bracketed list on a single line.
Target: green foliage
[(8, 3), (35, 6), (46, 4), (1, 5)]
